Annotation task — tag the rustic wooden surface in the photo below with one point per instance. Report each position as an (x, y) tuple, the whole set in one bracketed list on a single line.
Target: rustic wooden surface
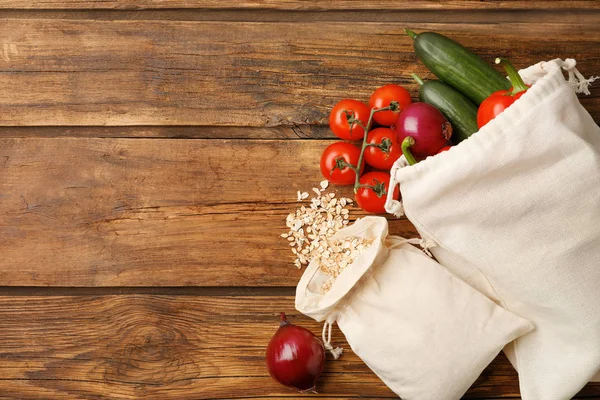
[(321, 5), (139, 219)]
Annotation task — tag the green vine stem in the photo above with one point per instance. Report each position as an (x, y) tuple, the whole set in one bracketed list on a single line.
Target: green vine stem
[(515, 79), (378, 188), (407, 143), (340, 163), (352, 120), (394, 106), (385, 145)]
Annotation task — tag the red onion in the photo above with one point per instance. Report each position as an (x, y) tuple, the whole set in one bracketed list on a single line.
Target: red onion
[(426, 125), (295, 357)]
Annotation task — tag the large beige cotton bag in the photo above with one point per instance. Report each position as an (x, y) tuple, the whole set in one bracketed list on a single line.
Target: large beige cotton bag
[(424, 332), (515, 211)]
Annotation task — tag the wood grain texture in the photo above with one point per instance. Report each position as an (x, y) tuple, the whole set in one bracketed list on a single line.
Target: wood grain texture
[(320, 5), (169, 249), (241, 74), (170, 132), (165, 347), (577, 16), (153, 212)]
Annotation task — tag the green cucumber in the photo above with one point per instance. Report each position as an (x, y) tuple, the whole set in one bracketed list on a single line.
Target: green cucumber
[(457, 66), (458, 110)]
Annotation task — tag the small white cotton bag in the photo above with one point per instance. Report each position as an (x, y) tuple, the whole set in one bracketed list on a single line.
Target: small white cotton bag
[(515, 211), (424, 332)]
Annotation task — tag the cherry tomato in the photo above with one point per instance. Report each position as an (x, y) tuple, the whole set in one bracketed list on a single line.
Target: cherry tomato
[(383, 96), (376, 157), (499, 101), (494, 105), (373, 200), (335, 154), (443, 149), (338, 121)]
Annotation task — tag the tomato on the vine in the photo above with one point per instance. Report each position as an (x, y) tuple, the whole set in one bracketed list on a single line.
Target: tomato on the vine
[(372, 199), (333, 162), (338, 119), (375, 156), (383, 96)]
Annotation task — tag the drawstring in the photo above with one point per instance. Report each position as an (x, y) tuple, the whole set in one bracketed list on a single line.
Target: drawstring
[(425, 244), (576, 78), (335, 352), (393, 206)]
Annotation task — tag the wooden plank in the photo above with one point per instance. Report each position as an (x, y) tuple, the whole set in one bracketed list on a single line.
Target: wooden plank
[(578, 16), (174, 132), (148, 290), (153, 212), (165, 347), (248, 74), (320, 5)]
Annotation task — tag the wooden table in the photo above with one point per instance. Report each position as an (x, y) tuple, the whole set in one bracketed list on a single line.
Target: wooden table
[(149, 153)]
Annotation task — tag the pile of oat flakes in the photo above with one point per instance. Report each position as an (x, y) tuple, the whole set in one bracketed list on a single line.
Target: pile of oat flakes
[(312, 227)]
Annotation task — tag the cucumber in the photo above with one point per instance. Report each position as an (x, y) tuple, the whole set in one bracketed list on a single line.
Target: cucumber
[(458, 110), (457, 66)]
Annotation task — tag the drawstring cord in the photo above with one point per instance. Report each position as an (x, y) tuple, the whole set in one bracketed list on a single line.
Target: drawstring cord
[(393, 206), (396, 207), (576, 78), (335, 352), (425, 244)]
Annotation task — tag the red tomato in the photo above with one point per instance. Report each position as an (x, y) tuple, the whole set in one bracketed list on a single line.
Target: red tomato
[(443, 149), (499, 101), (494, 105), (376, 157), (338, 121), (373, 199), (383, 96), (336, 153)]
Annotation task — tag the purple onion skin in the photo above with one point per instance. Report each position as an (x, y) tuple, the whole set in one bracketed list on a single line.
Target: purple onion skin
[(426, 125), (295, 357)]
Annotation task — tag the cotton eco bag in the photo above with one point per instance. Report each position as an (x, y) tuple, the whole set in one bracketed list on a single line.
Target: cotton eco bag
[(424, 332), (515, 211)]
